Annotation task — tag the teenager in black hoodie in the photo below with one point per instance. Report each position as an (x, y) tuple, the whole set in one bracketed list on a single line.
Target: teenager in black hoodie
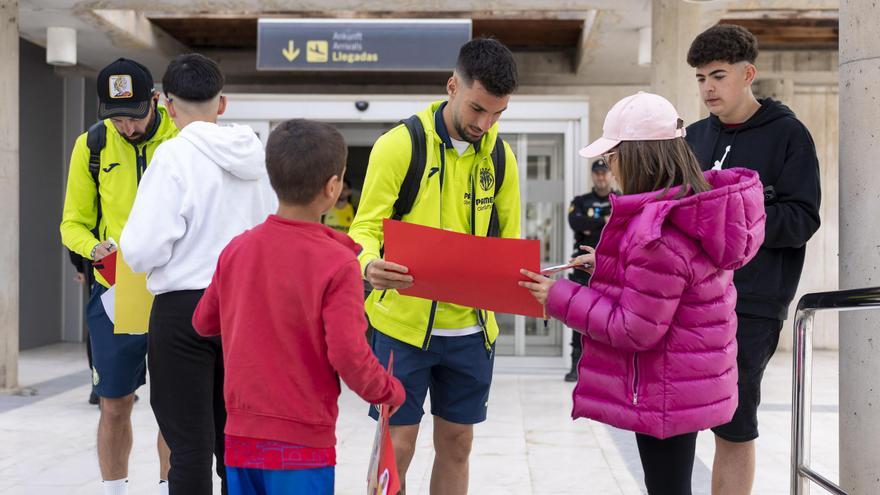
[(763, 135)]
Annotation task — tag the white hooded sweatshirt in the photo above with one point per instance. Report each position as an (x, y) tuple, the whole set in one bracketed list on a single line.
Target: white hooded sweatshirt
[(202, 188)]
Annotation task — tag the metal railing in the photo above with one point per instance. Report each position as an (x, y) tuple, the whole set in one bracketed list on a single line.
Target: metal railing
[(847, 300)]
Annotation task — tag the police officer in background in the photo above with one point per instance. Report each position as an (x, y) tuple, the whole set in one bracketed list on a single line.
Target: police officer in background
[(587, 216)]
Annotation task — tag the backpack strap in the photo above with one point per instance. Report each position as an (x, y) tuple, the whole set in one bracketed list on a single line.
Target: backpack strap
[(499, 162), (96, 140), (409, 189)]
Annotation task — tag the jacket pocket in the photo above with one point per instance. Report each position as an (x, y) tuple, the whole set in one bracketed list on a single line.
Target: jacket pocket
[(407, 311)]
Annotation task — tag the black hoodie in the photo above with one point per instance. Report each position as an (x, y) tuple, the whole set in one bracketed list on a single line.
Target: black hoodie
[(779, 147)]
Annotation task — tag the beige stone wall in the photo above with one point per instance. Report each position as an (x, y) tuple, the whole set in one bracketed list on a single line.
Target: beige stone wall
[(817, 107), (807, 83)]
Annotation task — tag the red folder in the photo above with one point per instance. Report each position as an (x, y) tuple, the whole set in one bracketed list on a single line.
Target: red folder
[(106, 266), (479, 272)]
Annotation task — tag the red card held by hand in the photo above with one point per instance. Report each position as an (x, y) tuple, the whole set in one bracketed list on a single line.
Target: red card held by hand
[(478, 272), (106, 266)]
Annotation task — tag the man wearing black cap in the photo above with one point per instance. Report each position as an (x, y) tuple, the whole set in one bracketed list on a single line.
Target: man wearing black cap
[(587, 216), (105, 169)]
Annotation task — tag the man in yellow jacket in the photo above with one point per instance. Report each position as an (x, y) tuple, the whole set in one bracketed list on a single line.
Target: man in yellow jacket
[(469, 185), (96, 207)]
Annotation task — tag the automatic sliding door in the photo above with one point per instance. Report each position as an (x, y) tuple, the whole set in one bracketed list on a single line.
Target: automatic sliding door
[(541, 160)]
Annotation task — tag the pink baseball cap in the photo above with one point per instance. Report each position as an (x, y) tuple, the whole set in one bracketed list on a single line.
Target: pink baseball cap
[(640, 117)]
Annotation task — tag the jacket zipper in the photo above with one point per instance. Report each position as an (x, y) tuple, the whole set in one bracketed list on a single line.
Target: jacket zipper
[(481, 320), (427, 342), (442, 176), (140, 156), (473, 206), (141, 160), (433, 312), (635, 383)]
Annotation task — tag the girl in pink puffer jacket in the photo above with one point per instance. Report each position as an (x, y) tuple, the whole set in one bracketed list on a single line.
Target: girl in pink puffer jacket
[(658, 320)]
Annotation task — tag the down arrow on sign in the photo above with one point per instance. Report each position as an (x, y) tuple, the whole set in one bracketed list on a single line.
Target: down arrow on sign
[(290, 53)]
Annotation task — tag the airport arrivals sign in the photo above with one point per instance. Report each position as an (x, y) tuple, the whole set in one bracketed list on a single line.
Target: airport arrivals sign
[(360, 44)]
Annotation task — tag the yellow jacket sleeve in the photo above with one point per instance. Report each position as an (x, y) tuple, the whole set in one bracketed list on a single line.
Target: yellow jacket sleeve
[(508, 201), (389, 162), (80, 203)]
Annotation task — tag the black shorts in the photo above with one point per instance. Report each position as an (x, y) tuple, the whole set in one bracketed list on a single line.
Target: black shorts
[(757, 339)]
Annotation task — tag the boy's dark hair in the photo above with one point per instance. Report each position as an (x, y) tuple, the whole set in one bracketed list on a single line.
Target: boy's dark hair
[(301, 156), (490, 62), (193, 77), (725, 42)]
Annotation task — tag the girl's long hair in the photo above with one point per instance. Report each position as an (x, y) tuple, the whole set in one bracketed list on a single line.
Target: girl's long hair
[(646, 166)]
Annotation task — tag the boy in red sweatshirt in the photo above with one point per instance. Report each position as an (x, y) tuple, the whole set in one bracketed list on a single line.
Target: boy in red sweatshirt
[(287, 301)]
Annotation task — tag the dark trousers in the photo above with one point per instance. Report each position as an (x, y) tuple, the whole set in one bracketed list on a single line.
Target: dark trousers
[(186, 392), (582, 278), (668, 463), (576, 348)]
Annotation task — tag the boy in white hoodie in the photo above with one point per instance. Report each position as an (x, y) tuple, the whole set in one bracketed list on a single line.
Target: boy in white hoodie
[(204, 187)]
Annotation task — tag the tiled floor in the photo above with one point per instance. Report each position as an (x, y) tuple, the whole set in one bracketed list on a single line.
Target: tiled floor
[(529, 445)]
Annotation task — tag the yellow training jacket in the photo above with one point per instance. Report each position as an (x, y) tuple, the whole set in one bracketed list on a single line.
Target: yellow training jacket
[(410, 319), (122, 165)]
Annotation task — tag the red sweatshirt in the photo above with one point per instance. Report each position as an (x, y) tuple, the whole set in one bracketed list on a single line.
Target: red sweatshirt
[(287, 301)]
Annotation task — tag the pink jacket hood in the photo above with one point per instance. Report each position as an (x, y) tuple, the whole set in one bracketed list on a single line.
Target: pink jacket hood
[(714, 218), (658, 317)]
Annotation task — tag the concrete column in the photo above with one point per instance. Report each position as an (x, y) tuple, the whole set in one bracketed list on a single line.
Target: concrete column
[(674, 25), (859, 237), (9, 194)]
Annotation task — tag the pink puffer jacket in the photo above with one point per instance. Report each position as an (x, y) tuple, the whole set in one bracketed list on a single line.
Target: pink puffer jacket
[(659, 343)]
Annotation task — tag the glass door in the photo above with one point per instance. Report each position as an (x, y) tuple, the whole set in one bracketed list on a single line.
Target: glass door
[(543, 159)]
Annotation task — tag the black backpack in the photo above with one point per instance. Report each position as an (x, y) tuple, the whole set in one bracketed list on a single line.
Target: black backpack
[(96, 140), (409, 189)]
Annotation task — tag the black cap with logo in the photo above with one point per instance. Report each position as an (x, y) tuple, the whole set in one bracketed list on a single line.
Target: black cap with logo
[(600, 165), (125, 89)]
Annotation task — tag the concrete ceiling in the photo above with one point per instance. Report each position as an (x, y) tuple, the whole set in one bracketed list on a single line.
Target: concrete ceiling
[(605, 32)]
